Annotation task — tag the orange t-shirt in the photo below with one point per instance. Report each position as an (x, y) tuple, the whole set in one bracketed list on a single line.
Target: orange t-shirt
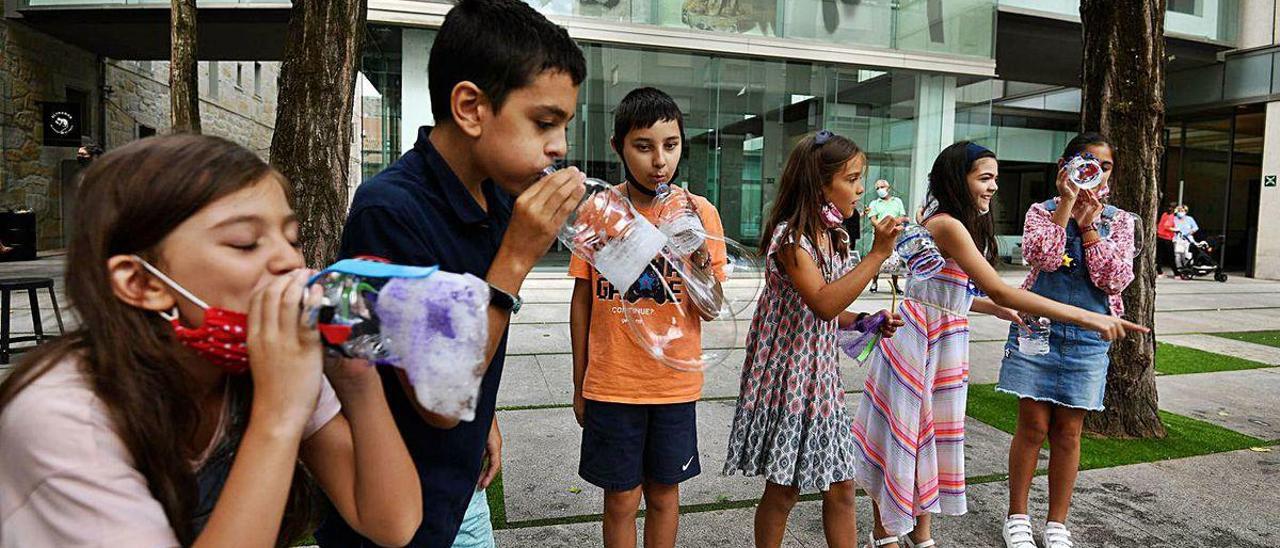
[(618, 370)]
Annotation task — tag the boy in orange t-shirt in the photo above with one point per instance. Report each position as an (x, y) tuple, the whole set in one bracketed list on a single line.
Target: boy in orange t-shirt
[(638, 416)]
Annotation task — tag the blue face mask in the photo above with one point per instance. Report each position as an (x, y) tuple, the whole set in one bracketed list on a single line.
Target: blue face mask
[(1180, 214), (882, 192)]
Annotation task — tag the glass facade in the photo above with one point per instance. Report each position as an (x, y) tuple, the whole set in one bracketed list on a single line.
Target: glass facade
[(1243, 77), (742, 116), (98, 3), (958, 27), (1216, 20)]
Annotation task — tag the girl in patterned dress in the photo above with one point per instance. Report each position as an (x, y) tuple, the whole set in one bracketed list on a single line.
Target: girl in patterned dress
[(790, 425), (909, 427), (1081, 251)]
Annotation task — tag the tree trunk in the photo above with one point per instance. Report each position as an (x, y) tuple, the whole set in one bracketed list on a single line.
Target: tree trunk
[(1123, 98), (312, 141), (184, 84)]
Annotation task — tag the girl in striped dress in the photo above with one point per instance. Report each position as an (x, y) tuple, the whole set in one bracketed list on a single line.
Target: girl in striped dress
[(909, 427)]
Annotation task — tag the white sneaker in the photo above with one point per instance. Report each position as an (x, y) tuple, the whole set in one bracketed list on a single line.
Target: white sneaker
[(1018, 533), (1056, 535)]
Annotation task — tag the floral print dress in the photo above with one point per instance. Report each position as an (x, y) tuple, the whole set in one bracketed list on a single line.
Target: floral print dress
[(790, 425)]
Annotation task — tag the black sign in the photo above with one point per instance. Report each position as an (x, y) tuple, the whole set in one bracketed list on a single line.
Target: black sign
[(1269, 180), (61, 123)]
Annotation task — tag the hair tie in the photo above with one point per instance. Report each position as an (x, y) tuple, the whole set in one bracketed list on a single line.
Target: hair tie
[(822, 137)]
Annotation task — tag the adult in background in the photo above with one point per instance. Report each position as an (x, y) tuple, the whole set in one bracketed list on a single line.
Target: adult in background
[(885, 205)]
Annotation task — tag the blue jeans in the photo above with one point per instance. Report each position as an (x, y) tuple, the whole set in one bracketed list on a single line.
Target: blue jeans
[(477, 529)]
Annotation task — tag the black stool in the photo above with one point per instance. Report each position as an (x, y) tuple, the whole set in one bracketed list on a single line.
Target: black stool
[(31, 286)]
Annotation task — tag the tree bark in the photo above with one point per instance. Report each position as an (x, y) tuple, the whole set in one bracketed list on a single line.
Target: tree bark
[(184, 84), (312, 141), (1123, 98)]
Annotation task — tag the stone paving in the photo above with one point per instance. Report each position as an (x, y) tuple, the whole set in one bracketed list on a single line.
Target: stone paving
[(1226, 499)]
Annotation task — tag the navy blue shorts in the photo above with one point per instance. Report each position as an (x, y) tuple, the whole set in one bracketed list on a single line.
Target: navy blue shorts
[(625, 444)]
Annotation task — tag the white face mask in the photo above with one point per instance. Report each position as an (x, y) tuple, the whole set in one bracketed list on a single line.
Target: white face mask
[(882, 192)]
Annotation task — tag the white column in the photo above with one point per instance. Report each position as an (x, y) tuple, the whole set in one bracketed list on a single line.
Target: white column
[(415, 101), (935, 130), (1267, 258)]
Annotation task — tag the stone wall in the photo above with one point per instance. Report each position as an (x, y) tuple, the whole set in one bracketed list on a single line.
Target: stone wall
[(233, 105), (239, 104), (237, 101), (35, 67)]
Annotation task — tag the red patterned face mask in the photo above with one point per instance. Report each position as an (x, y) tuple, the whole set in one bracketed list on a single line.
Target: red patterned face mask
[(221, 339)]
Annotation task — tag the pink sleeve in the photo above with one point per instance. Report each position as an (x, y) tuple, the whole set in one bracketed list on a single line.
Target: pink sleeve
[(1043, 241), (327, 407), (67, 478), (1111, 259)]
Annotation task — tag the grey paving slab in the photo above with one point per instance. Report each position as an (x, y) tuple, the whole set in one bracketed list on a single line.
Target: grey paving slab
[(523, 383), (984, 361), (986, 450), (725, 528), (540, 470), (540, 338), (557, 372), (1180, 503), (542, 313), (1228, 499), (573, 535), (1230, 347), (987, 328), (1244, 401), (1175, 323), (1217, 301)]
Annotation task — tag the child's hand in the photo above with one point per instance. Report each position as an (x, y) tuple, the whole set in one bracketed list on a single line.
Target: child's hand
[(886, 234), (1066, 189), (492, 458), (1086, 209), (1010, 315), (285, 355), (1112, 327), (540, 211), (891, 324), (579, 407)]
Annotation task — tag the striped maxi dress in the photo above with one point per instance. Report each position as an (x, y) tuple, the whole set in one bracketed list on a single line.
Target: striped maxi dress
[(909, 427)]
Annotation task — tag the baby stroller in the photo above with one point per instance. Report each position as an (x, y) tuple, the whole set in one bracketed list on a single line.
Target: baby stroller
[(1192, 258)]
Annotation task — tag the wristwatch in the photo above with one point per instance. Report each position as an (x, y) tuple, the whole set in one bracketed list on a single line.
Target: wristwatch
[(504, 301)]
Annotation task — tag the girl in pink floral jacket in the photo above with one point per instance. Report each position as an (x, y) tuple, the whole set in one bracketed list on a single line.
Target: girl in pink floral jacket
[(1081, 252)]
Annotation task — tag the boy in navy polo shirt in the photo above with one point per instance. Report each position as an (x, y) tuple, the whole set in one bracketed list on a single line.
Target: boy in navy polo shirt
[(504, 84)]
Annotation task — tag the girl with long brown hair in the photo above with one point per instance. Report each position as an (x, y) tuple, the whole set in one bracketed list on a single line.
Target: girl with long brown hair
[(193, 402), (790, 425), (909, 425)]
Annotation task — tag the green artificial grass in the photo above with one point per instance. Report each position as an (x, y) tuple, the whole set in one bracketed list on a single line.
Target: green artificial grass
[(1269, 338), (1186, 437), (1180, 360), (497, 503)]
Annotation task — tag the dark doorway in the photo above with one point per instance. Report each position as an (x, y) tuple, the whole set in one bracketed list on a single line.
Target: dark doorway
[(1214, 166)]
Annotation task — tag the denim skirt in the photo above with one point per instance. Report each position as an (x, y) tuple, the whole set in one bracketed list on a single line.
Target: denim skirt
[(1072, 374)]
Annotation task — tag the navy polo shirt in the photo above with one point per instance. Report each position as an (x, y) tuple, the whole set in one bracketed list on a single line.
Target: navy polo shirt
[(417, 212)]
